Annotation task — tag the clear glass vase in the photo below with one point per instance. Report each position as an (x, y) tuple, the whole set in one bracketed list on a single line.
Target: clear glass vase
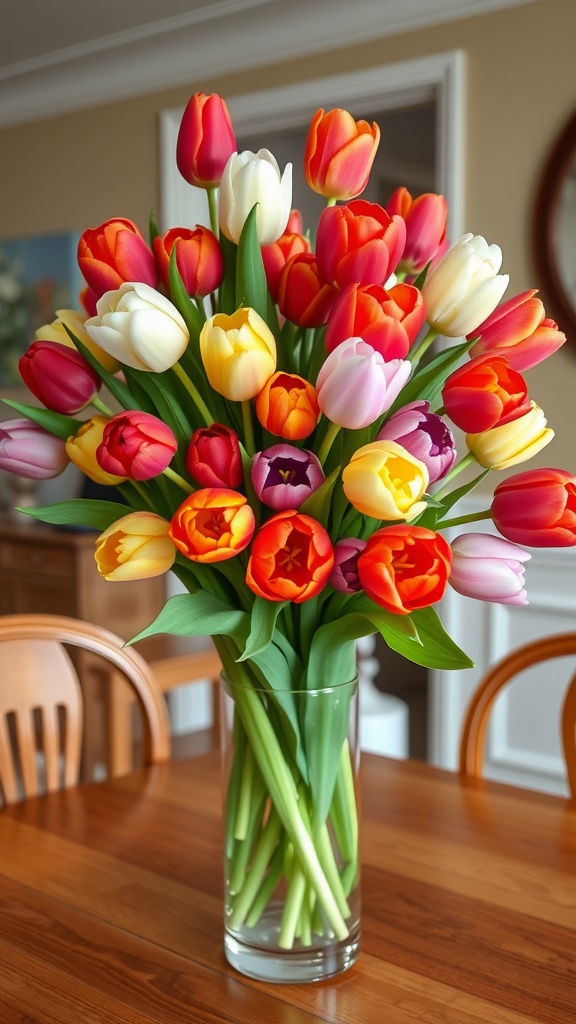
[(291, 864)]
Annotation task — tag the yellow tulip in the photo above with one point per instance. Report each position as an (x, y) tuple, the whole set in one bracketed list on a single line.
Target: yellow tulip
[(512, 442), (135, 547), (74, 321), (238, 352), (384, 481), (81, 450)]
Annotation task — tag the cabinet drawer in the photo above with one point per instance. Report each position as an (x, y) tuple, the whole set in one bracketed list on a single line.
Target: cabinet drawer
[(37, 558)]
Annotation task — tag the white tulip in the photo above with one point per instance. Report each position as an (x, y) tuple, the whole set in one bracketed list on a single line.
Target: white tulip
[(464, 286), (140, 327), (251, 178)]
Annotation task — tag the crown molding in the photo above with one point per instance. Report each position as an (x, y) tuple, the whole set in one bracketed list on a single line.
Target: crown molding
[(176, 50)]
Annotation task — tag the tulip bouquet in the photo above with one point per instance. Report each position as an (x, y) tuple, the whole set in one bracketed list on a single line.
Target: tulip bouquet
[(280, 430)]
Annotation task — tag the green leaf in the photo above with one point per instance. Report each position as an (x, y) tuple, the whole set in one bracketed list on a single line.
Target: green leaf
[(325, 722), (251, 284), (428, 381), (332, 657), (318, 504), (164, 404), (54, 422), (262, 626), (96, 514), (116, 387), (198, 614), (435, 649), (184, 304), (153, 230), (227, 302)]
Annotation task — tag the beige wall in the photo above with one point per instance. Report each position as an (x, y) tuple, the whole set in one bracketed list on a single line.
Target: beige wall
[(79, 169)]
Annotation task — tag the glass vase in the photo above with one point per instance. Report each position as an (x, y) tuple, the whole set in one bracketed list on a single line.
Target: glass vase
[(291, 863)]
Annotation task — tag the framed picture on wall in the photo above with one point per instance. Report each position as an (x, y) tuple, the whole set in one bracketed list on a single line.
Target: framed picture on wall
[(38, 275)]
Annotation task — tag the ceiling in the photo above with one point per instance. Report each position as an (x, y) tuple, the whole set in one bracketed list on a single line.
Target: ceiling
[(62, 55)]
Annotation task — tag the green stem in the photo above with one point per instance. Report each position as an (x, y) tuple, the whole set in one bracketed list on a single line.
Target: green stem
[(101, 406), (295, 891), (415, 355), (211, 195), (194, 395), (472, 517), (179, 480), (463, 464), (249, 443), (327, 443), (252, 885)]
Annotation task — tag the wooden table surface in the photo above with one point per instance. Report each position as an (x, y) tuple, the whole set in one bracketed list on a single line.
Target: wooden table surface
[(110, 907)]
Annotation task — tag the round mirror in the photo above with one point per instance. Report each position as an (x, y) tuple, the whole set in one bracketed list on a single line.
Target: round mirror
[(555, 232)]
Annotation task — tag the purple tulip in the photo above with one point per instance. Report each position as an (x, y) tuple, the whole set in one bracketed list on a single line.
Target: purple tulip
[(28, 450), (284, 476), (344, 575), (424, 434), (488, 568), (356, 385)]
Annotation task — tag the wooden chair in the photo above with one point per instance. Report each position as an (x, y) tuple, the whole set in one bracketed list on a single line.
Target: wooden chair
[(477, 715), (41, 700)]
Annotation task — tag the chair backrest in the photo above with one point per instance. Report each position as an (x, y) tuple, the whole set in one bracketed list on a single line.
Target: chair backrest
[(41, 703), (473, 736)]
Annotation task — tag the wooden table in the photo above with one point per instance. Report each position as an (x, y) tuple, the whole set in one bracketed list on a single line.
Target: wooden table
[(110, 907)]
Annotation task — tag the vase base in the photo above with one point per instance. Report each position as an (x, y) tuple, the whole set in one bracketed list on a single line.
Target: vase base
[(295, 966)]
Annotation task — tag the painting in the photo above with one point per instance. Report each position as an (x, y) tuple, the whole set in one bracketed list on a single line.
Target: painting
[(38, 275)]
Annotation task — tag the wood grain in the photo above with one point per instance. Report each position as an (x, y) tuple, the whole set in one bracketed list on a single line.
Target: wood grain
[(110, 906)]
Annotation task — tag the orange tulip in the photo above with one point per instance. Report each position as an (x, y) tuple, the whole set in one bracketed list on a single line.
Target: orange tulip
[(339, 154), (404, 567), (287, 406), (212, 524), (291, 558)]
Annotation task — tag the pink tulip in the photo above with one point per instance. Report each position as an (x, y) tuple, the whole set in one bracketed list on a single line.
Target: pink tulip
[(520, 331), (136, 445), (284, 476), (424, 434), (358, 243), (344, 575), (59, 376), (28, 450), (488, 569), (356, 385), (425, 218)]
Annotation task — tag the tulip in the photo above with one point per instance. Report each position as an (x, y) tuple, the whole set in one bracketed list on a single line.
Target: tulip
[(425, 435), (213, 458), (537, 508), (113, 253), (284, 476), (520, 331), (512, 442), (81, 450), (344, 575), (212, 525), (238, 353), (464, 286), (250, 179), (59, 376), (198, 257), (205, 140), (287, 406), (276, 256), (355, 385), (88, 300), (136, 445), (425, 219), (488, 569), (403, 568), (136, 547), (384, 481), (73, 320), (339, 154), (140, 327), (28, 450), (484, 393), (302, 297), (358, 244), (389, 320), (291, 558)]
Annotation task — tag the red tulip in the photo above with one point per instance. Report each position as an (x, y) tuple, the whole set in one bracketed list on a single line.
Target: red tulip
[(520, 331), (425, 219), (198, 258), (484, 393), (212, 525), (213, 458), (537, 508), (389, 320), (136, 445), (276, 256), (358, 244), (113, 253), (339, 154), (59, 376), (403, 568), (205, 140), (302, 297), (291, 558)]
